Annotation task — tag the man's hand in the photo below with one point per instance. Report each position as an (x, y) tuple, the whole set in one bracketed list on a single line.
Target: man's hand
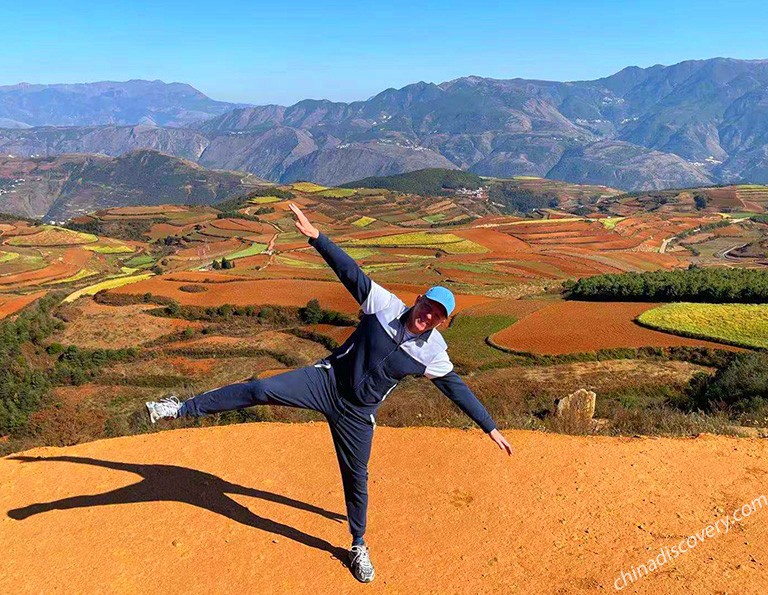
[(501, 441), (302, 223)]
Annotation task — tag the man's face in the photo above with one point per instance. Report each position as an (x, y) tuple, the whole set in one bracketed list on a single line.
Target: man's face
[(425, 315)]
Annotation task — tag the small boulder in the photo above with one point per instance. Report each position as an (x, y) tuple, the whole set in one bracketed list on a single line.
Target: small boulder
[(579, 405)]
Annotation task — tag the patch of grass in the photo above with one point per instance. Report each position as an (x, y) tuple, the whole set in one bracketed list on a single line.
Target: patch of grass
[(363, 221), (110, 284), (263, 200), (448, 242), (252, 250), (745, 325), (466, 338)]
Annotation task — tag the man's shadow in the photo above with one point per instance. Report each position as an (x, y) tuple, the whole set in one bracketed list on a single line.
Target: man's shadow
[(180, 484)]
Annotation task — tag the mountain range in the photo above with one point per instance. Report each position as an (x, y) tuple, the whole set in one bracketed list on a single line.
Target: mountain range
[(695, 123)]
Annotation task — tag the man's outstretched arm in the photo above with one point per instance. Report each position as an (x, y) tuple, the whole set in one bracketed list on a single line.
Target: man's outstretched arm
[(441, 373), (369, 294)]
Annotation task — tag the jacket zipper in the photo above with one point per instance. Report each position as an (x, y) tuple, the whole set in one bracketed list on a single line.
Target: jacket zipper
[(376, 367)]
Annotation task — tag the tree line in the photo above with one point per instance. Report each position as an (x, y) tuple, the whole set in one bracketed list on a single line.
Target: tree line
[(695, 284)]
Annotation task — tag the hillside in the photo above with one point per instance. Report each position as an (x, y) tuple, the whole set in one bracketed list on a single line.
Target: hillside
[(184, 511), (425, 181), (61, 187), (695, 123)]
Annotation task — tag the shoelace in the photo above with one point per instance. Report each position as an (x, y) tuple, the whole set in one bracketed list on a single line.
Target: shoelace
[(168, 406), (360, 556)]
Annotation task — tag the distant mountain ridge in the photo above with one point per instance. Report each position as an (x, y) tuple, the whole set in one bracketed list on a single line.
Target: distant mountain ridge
[(107, 102), (695, 123)]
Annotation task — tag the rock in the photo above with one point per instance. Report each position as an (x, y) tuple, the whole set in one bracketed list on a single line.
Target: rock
[(580, 404)]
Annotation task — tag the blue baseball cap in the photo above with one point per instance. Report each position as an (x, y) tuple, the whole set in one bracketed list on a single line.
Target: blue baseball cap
[(442, 296)]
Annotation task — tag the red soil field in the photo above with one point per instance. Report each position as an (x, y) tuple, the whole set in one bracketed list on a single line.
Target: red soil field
[(501, 244), (284, 292), (165, 229), (10, 304), (572, 327)]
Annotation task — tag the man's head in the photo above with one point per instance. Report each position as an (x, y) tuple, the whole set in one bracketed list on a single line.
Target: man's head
[(431, 309)]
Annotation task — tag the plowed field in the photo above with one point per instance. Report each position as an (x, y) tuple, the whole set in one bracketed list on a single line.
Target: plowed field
[(569, 326)]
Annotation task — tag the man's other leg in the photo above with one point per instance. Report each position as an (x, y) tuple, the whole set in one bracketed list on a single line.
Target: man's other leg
[(306, 388), (352, 438)]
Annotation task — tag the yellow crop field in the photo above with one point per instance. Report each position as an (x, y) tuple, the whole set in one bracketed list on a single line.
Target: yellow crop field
[(363, 221), (110, 284), (745, 325), (110, 248), (308, 187)]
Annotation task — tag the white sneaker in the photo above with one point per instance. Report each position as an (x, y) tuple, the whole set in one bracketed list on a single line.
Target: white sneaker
[(167, 408), (360, 563)]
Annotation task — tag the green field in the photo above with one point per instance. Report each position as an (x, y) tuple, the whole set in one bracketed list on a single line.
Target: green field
[(745, 325), (252, 250), (434, 218), (466, 337), (263, 200), (140, 261)]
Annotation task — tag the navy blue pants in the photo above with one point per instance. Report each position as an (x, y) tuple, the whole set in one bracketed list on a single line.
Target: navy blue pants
[(313, 387)]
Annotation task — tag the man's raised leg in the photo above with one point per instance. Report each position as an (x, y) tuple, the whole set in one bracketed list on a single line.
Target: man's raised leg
[(305, 388)]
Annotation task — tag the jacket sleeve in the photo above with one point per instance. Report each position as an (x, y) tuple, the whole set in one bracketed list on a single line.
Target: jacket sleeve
[(440, 372), (371, 296)]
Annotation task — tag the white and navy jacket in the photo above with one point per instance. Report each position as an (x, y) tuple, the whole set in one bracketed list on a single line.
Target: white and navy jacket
[(375, 357)]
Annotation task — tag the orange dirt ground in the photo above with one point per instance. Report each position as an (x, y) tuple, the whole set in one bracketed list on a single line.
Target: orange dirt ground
[(258, 508), (572, 327), (10, 304)]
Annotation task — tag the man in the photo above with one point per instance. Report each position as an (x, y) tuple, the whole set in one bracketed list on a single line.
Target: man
[(391, 342)]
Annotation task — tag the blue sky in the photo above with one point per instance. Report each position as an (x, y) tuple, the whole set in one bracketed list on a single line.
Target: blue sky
[(281, 52)]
